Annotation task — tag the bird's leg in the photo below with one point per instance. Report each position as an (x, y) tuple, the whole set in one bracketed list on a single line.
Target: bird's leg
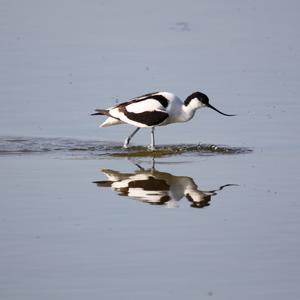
[(153, 165), (152, 145), (130, 137)]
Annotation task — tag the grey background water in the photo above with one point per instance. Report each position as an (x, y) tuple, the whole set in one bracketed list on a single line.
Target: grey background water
[(61, 236)]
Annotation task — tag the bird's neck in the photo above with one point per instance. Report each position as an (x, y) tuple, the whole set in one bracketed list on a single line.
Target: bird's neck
[(188, 111)]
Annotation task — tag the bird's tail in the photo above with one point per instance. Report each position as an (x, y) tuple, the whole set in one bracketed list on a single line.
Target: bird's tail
[(100, 112)]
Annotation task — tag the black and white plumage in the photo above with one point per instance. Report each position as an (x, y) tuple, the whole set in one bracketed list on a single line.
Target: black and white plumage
[(154, 109), (158, 188)]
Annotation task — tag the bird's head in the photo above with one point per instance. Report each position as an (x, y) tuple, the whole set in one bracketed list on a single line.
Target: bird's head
[(198, 100)]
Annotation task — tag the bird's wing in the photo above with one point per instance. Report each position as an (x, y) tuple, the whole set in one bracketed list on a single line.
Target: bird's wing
[(144, 111), (158, 97), (143, 96), (148, 104), (142, 118)]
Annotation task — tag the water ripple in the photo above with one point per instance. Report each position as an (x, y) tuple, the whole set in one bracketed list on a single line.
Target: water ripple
[(92, 148)]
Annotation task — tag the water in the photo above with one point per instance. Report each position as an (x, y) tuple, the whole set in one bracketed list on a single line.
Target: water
[(75, 223), (213, 213), (93, 149)]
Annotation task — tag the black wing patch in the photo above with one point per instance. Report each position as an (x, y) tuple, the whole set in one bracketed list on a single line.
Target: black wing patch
[(101, 112), (161, 99), (156, 96), (149, 118), (145, 96), (150, 184)]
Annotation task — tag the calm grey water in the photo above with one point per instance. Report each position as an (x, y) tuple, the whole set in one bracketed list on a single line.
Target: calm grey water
[(80, 219)]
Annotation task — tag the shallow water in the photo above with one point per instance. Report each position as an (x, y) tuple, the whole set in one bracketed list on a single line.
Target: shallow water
[(92, 149), (214, 212)]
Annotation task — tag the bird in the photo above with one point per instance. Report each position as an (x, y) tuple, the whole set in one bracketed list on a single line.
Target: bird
[(158, 188), (154, 109)]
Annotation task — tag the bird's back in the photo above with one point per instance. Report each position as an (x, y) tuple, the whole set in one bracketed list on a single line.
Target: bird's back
[(152, 109)]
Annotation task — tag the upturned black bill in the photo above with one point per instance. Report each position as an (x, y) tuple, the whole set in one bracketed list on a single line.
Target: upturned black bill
[(210, 106)]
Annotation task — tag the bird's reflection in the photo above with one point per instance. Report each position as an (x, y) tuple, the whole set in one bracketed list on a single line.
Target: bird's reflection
[(157, 188)]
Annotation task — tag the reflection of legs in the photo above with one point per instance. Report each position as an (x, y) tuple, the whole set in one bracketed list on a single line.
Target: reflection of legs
[(130, 137), (138, 163), (152, 146), (153, 164)]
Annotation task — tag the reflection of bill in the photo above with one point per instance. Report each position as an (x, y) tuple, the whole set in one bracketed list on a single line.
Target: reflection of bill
[(158, 188)]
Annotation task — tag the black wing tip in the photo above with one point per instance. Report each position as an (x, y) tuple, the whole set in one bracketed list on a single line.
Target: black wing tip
[(100, 112)]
